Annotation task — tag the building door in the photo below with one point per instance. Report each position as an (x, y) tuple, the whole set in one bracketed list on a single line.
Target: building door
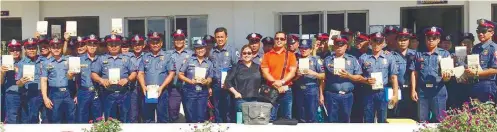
[(449, 18)]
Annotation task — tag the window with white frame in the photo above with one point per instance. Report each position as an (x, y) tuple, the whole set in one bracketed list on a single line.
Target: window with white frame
[(195, 27), (323, 21), (302, 23)]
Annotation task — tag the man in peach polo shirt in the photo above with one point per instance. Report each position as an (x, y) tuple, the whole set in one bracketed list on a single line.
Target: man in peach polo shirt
[(279, 74)]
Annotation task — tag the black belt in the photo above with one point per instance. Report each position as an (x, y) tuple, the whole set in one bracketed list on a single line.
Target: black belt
[(92, 88), (59, 89), (114, 88)]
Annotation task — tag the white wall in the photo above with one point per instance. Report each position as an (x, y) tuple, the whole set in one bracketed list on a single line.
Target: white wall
[(240, 18), (28, 11)]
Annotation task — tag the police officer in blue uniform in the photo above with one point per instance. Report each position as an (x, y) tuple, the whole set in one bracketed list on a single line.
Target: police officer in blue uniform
[(115, 91), (223, 56), (156, 71), (255, 44), (210, 40), (55, 90), (196, 90), (125, 46), (308, 84), (322, 45), (428, 80), (361, 47), (33, 96), (268, 43), (14, 96), (461, 86), (484, 89), (89, 103), (404, 57), (293, 43), (390, 38), (338, 96), (378, 62), (179, 55), (135, 93)]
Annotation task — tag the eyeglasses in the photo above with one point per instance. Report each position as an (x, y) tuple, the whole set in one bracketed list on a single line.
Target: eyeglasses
[(432, 38), (114, 44), (280, 39), (246, 53), (57, 46), (15, 49)]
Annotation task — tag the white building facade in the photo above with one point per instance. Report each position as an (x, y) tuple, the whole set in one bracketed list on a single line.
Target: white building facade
[(240, 18)]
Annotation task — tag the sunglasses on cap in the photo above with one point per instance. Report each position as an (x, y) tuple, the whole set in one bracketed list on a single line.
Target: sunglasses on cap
[(246, 53), (483, 30)]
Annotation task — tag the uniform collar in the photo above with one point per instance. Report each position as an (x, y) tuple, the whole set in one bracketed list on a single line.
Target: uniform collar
[(196, 59), (438, 51), (62, 58), (161, 53), (184, 51), (120, 56), (486, 44), (225, 48), (260, 54), (382, 54)]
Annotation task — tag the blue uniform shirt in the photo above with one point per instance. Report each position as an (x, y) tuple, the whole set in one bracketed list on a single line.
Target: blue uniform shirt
[(189, 70), (105, 62), (223, 59), (135, 61), (315, 64), (85, 75), (178, 59), (488, 53), (336, 83), (56, 72), (258, 57), (428, 68), (385, 63), (156, 68), (38, 67), (10, 79), (404, 64)]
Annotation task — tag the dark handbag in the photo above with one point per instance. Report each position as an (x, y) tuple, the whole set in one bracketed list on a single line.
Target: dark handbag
[(269, 94)]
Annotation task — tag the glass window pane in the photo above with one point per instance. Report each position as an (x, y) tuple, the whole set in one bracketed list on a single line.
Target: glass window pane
[(86, 24), (494, 13), (198, 27), (11, 29), (311, 24), (336, 22), (136, 27), (290, 24), (357, 22), (182, 23), (157, 25)]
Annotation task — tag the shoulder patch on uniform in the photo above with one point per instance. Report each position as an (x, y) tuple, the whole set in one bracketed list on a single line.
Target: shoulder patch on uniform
[(237, 53), (320, 62)]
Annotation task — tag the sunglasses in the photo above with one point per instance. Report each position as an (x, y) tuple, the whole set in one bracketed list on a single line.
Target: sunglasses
[(280, 39), (246, 53), (15, 49), (483, 30)]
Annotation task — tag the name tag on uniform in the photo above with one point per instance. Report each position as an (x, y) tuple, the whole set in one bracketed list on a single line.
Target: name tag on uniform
[(302, 87), (429, 85)]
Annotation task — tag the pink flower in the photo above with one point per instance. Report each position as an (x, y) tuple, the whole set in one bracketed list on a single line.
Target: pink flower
[(91, 121), (106, 123), (110, 118), (100, 118)]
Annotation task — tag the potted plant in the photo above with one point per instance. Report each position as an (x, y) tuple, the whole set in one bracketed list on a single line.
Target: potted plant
[(101, 125), (207, 126), (474, 116)]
